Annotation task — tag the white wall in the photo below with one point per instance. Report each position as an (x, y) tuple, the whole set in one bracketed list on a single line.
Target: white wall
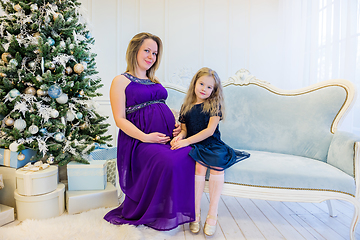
[(225, 35)]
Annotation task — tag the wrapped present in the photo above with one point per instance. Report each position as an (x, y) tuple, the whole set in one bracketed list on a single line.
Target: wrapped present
[(42, 206), (32, 182), (6, 214), (91, 176), (7, 193), (103, 152), (10, 159), (80, 201)]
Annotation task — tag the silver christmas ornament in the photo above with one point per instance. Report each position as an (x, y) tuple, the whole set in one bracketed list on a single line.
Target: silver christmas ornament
[(50, 159), (33, 129), (21, 157), (63, 121), (20, 124), (71, 46)]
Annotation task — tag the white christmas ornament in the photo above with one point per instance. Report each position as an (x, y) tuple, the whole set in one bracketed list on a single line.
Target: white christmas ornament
[(14, 146), (62, 99), (59, 137), (70, 116), (34, 7), (20, 124), (33, 129), (54, 113)]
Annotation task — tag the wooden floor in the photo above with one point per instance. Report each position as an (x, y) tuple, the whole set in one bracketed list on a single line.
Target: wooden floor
[(250, 219), (241, 218)]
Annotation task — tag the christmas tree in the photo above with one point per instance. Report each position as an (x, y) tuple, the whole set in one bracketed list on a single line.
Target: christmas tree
[(48, 81)]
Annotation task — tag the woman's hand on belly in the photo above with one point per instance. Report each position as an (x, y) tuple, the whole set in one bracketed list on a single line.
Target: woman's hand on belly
[(156, 137)]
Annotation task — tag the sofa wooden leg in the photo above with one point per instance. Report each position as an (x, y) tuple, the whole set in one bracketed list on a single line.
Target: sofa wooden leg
[(354, 221), (331, 209)]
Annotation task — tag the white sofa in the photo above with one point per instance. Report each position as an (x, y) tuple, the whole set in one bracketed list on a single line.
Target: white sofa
[(297, 154)]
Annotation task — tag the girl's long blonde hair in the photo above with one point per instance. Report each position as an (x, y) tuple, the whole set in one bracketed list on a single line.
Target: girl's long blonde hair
[(214, 103), (133, 49)]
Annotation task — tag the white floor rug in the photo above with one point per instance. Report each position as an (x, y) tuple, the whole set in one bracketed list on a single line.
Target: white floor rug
[(87, 225)]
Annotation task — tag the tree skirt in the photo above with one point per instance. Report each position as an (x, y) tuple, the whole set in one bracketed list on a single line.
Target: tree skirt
[(86, 225)]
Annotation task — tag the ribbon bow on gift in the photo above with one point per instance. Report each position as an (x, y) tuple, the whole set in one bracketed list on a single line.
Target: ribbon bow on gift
[(39, 165)]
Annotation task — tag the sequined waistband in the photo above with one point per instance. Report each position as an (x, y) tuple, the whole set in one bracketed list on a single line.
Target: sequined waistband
[(134, 108)]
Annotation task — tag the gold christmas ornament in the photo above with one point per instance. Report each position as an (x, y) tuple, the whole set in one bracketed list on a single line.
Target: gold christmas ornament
[(2, 75), (68, 70), (41, 92), (17, 7), (78, 68), (9, 122), (21, 157), (56, 16), (30, 90), (6, 56), (83, 126)]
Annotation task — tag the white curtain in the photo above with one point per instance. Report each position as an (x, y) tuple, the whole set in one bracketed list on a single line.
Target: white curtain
[(320, 40)]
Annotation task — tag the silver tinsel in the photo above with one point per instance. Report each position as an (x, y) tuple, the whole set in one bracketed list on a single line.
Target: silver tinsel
[(62, 59)]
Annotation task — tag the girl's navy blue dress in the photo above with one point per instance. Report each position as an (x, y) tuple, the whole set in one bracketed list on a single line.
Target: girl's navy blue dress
[(212, 152)]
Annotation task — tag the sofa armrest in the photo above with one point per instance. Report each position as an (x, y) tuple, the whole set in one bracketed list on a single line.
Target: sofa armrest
[(342, 152)]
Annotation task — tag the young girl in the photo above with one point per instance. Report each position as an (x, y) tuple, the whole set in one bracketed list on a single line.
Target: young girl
[(200, 114)]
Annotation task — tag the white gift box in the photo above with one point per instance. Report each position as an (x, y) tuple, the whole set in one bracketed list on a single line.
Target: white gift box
[(6, 214), (9, 158), (35, 183), (42, 206), (80, 201), (87, 176), (7, 193)]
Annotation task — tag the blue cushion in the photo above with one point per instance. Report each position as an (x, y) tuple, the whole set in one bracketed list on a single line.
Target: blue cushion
[(287, 171)]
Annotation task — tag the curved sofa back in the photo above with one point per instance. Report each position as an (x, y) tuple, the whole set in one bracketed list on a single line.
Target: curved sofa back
[(262, 117)]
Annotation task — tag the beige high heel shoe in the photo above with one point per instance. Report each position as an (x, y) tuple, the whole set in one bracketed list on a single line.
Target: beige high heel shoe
[(195, 226), (210, 229)]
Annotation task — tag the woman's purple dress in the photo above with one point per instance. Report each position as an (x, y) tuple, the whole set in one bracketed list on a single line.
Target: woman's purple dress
[(158, 182)]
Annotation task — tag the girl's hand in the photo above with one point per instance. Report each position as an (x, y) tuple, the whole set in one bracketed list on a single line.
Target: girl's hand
[(156, 137), (179, 144), (175, 139), (176, 130)]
